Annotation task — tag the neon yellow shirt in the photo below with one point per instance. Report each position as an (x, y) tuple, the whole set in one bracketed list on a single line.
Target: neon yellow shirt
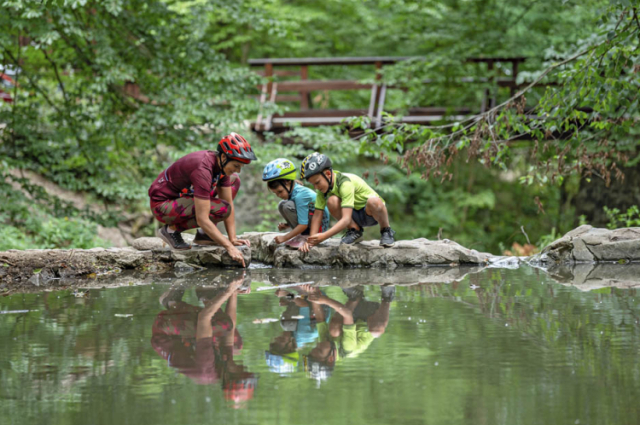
[(351, 189), (354, 340)]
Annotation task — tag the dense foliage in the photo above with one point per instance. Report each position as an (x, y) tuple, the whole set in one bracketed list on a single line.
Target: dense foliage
[(107, 93), (584, 123)]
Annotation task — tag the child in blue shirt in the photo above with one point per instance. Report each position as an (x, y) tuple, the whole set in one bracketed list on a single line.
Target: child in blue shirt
[(297, 205)]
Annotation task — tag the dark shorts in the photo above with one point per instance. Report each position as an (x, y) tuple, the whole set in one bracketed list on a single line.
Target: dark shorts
[(363, 219), (364, 310)]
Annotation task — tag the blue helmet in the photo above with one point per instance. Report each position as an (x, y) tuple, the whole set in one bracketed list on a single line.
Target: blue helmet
[(280, 168), (282, 364)]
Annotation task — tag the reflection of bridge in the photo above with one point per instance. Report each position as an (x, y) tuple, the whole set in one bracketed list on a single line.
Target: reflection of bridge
[(298, 91)]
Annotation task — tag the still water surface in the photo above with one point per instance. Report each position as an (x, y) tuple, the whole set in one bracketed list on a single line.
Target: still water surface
[(497, 347)]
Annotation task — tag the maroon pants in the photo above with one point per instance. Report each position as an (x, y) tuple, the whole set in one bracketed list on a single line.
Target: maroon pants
[(181, 212)]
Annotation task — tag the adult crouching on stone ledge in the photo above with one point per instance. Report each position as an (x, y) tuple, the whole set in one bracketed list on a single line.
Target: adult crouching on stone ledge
[(197, 191)]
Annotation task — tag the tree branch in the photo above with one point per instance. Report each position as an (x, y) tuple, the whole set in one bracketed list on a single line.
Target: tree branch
[(33, 83), (523, 14), (475, 118), (15, 95), (55, 68)]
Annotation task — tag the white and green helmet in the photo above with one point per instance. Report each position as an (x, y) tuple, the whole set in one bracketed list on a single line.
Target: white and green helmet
[(280, 168)]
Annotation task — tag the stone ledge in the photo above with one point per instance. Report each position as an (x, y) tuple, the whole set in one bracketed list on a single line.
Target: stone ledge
[(150, 255), (584, 244), (587, 244), (418, 252), (207, 256), (39, 266)]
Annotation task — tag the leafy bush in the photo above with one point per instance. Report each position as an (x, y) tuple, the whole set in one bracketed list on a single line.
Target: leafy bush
[(547, 239), (52, 233), (630, 218), (40, 220)]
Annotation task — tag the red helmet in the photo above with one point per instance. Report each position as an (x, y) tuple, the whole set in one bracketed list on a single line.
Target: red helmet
[(240, 387), (237, 148)]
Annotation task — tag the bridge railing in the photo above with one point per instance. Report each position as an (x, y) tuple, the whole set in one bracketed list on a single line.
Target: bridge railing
[(300, 91)]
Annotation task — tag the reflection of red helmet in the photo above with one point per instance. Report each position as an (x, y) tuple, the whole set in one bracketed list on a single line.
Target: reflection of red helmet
[(240, 388), (237, 148)]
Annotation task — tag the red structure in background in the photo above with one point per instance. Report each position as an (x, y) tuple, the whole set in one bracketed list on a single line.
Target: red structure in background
[(500, 73), (6, 83)]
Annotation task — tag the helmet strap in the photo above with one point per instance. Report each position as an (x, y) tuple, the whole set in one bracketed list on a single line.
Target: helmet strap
[(284, 184), (330, 181), (223, 164)]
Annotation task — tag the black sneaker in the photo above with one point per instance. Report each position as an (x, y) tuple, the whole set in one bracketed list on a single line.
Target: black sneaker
[(203, 239), (387, 237), (171, 296), (352, 236), (174, 240), (354, 292), (388, 293)]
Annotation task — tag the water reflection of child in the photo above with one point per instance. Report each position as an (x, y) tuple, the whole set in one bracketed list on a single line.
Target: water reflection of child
[(299, 325), (201, 342), (350, 331)]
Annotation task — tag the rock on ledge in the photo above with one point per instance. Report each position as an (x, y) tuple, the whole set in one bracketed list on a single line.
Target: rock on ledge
[(417, 252), (588, 277), (587, 244), (212, 256)]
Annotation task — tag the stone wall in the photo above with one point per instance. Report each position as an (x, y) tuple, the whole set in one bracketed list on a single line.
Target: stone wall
[(150, 254), (582, 245), (417, 252)]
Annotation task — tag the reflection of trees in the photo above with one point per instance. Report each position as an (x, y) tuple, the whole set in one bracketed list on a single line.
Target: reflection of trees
[(55, 349), (583, 327)]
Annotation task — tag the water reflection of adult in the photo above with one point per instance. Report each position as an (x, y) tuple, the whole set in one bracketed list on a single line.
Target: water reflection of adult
[(200, 342), (351, 330)]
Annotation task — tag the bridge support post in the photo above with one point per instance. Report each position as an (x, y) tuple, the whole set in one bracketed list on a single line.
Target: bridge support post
[(378, 91), (514, 71), (305, 97)]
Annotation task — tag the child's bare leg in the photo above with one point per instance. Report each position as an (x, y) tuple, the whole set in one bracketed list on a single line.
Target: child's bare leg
[(335, 325), (378, 321), (352, 304), (335, 209), (333, 203), (378, 210), (287, 210)]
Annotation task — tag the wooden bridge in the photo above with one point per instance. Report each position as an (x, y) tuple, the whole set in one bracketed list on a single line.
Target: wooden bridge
[(288, 81)]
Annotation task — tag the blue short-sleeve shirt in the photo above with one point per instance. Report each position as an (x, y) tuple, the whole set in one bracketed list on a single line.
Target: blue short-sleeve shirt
[(305, 200)]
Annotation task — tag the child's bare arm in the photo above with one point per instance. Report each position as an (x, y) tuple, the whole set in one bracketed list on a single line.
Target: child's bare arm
[(292, 234), (340, 308)]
